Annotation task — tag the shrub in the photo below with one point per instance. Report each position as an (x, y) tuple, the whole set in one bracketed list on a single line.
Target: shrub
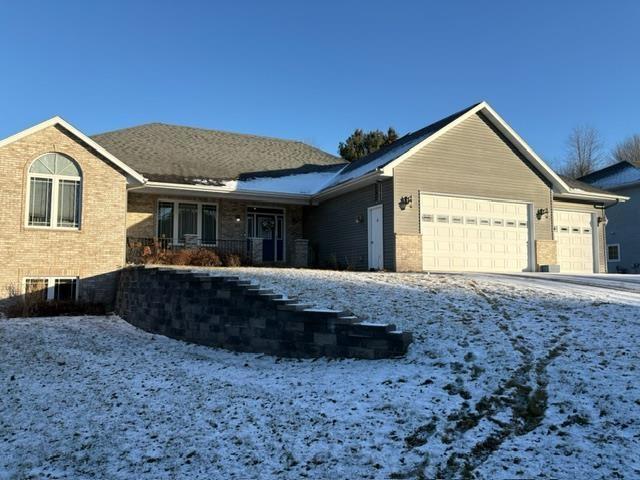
[(26, 307), (232, 260)]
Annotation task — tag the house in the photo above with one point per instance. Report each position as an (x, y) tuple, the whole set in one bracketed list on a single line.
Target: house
[(623, 227), (465, 193)]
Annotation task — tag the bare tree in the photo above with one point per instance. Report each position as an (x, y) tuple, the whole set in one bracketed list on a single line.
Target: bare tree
[(584, 152), (627, 150)]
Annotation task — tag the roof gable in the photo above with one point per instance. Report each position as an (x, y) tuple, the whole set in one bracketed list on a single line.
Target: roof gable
[(129, 172)]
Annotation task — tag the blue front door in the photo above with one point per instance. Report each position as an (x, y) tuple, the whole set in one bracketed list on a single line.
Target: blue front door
[(267, 224)]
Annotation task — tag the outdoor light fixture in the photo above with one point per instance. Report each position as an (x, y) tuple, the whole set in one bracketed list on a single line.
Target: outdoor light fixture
[(604, 220), (238, 218), (406, 200), (542, 212)]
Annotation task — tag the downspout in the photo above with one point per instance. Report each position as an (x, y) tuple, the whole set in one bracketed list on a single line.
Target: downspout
[(604, 234)]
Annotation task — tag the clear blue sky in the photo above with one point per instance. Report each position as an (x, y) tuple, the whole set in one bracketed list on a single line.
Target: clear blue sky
[(314, 71)]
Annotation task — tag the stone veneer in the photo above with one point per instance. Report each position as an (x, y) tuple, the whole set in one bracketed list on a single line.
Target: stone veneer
[(408, 253), (229, 313)]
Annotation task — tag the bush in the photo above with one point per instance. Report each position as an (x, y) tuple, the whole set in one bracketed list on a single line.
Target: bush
[(232, 260), (194, 257), (24, 307)]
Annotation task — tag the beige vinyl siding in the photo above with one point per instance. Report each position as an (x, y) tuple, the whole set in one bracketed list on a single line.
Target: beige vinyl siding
[(472, 159), (335, 236), (588, 208)]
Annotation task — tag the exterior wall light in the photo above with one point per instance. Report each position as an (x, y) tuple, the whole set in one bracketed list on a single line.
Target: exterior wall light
[(404, 201), (238, 219), (603, 220), (359, 219), (542, 212)]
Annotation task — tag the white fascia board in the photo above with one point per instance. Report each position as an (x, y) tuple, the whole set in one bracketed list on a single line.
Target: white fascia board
[(221, 192), (131, 173), (353, 184)]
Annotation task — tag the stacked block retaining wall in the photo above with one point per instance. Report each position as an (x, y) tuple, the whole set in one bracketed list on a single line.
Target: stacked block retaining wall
[(234, 314)]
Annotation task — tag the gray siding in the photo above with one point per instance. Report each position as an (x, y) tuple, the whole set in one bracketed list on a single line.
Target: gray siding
[(624, 229), (335, 236), (589, 208), (472, 159)]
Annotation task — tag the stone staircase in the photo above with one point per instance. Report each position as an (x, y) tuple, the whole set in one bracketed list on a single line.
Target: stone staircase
[(229, 312)]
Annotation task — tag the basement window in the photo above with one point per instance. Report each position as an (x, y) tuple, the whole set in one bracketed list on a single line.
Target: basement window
[(61, 289), (613, 252)]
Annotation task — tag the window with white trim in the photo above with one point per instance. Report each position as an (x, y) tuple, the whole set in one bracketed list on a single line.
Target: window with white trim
[(178, 218), (613, 252), (61, 289), (54, 192)]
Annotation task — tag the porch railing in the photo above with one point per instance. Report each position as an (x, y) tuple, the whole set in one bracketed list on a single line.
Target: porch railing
[(141, 248)]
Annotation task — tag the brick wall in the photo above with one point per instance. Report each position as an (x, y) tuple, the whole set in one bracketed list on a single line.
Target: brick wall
[(233, 314), (546, 252), (408, 253), (95, 252), (142, 210)]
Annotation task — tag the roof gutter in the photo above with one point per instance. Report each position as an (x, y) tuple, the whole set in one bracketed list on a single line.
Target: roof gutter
[(592, 196), (172, 188), (352, 184)]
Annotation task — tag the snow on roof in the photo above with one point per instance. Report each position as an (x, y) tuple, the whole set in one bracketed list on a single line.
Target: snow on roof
[(304, 183), (625, 175)]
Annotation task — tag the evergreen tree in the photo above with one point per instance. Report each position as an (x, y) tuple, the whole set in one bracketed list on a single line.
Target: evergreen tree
[(360, 144)]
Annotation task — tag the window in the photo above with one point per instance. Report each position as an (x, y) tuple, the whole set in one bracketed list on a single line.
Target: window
[(377, 192), (54, 192), (177, 219), (613, 252), (62, 289)]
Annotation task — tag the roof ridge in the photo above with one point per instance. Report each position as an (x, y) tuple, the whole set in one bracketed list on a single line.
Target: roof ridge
[(213, 130)]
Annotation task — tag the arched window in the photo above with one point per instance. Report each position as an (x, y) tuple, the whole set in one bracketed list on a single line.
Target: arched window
[(54, 192)]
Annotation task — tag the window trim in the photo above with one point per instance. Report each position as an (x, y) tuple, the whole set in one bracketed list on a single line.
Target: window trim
[(51, 285), (55, 199), (176, 202), (613, 260)]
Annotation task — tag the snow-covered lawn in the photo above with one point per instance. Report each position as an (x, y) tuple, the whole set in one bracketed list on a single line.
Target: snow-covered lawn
[(506, 378)]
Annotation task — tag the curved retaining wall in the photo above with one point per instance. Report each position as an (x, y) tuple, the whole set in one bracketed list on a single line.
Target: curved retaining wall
[(234, 314)]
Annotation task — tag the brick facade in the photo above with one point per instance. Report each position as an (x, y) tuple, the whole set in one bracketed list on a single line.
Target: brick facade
[(141, 221), (546, 252), (408, 253), (94, 252)]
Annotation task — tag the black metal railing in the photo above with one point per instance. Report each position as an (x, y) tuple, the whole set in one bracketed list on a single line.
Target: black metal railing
[(148, 250)]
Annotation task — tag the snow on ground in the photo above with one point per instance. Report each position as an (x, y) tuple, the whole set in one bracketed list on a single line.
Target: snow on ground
[(506, 378)]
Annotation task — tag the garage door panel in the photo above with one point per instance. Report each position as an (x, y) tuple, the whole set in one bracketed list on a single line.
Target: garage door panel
[(574, 234), (481, 235)]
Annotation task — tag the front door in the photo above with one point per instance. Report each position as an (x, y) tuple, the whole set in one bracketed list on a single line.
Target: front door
[(376, 258), (267, 224)]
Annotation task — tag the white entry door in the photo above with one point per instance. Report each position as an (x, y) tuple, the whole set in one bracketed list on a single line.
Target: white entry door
[(574, 233), (376, 257), (472, 234)]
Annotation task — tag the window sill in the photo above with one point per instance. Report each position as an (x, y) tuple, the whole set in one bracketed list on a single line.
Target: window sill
[(52, 229)]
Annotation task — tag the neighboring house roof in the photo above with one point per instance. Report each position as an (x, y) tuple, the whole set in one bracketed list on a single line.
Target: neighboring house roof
[(176, 154), (614, 176), (131, 174)]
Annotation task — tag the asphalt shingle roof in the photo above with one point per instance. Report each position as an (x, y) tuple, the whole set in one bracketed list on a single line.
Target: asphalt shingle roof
[(171, 153), (577, 184)]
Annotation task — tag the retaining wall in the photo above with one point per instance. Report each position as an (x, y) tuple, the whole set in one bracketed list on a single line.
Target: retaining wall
[(224, 311)]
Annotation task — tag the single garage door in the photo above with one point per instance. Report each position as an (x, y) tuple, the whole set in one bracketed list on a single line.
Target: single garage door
[(574, 234), (471, 234)]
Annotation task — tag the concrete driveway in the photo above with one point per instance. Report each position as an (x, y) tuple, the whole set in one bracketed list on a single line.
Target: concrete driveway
[(608, 281)]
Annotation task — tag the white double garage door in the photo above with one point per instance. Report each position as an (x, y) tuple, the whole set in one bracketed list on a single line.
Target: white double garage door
[(473, 234)]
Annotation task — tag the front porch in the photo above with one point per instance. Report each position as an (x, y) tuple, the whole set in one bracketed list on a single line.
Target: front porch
[(254, 232)]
